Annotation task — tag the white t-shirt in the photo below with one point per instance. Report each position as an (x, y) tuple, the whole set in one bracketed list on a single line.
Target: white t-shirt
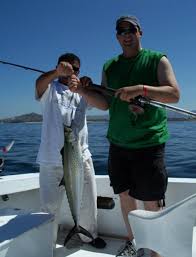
[(61, 107)]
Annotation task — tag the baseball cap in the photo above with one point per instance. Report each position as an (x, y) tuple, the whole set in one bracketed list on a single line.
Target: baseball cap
[(131, 19)]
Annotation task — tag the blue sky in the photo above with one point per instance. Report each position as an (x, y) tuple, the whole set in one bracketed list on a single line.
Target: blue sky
[(34, 33)]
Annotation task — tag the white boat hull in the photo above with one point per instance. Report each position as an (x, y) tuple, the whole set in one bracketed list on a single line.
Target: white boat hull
[(23, 192), (22, 233)]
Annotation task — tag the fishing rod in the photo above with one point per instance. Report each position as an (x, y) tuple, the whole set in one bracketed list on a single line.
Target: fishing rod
[(167, 106), (110, 91), (141, 101), (5, 149), (106, 90), (21, 66)]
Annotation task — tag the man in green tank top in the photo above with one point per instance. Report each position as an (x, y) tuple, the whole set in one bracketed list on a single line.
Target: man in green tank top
[(137, 137)]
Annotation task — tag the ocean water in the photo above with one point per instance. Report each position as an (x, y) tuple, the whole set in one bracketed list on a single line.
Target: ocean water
[(180, 149)]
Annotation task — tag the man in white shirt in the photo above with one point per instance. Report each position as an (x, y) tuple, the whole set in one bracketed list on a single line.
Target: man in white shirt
[(62, 107)]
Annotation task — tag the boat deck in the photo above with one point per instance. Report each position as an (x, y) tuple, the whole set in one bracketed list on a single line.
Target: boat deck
[(75, 248)]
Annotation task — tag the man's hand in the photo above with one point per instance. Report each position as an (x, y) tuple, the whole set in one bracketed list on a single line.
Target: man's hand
[(85, 81), (129, 93), (74, 84), (64, 69), (79, 85)]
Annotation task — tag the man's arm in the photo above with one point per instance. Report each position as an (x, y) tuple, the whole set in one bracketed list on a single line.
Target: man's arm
[(63, 69), (166, 92), (92, 97), (43, 81), (95, 99)]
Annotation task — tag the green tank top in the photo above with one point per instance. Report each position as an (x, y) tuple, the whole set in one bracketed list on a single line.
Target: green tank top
[(125, 128)]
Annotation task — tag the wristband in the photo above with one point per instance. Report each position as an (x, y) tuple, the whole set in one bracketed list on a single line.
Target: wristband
[(144, 91)]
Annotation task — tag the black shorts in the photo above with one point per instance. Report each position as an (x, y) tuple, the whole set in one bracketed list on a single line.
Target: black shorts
[(141, 171)]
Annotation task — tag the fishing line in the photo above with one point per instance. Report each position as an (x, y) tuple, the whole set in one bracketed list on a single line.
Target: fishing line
[(139, 101)]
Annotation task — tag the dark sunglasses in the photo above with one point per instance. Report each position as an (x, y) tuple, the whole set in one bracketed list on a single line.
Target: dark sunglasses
[(125, 31), (76, 69)]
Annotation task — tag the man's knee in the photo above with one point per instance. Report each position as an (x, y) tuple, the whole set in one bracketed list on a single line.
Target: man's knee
[(124, 194), (152, 205)]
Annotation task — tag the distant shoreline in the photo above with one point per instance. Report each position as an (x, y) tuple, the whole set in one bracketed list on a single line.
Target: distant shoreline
[(92, 121), (37, 118)]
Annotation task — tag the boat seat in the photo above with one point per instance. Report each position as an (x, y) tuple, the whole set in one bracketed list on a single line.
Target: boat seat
[(25, 234), (170, 232)]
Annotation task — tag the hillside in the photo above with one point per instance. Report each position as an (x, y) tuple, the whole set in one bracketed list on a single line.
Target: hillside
[(29, 117), (35, 117)]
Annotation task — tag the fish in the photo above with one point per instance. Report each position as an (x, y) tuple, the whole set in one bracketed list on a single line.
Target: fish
[(73, 173), (73, 180)]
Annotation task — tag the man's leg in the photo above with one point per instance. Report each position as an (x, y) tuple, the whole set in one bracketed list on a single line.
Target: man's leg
[(88, 211), (152, 206), (51, 194), (119, 163), (128, 204)]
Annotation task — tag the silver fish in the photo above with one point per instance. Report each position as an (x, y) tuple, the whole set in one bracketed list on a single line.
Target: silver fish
[(73, 180), (73, 173)]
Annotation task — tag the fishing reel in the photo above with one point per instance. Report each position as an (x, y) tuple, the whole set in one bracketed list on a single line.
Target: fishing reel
[(136, 106)]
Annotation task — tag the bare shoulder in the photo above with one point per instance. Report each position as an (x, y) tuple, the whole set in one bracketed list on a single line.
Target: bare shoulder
[(164, 63), (165, 72)]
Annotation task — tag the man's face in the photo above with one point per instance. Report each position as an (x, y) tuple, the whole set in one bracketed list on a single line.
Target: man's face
[(128, 35), (76, 67)]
